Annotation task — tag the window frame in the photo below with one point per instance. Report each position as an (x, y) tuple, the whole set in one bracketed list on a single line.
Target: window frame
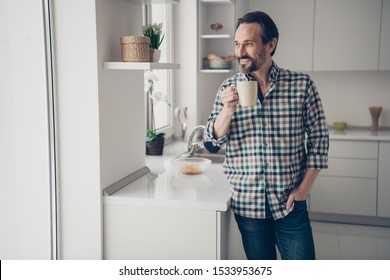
[(168, 51)]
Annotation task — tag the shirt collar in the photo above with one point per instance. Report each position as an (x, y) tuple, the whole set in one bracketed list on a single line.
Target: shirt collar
[(274, 73)]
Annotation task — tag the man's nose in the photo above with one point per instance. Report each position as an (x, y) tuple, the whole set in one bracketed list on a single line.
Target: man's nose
[(240, 51)]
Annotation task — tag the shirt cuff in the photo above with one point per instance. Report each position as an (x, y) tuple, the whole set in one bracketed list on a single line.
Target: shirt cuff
[(209, 136), (317, 162)]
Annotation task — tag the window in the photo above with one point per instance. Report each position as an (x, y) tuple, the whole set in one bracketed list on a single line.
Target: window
[(162, 13)]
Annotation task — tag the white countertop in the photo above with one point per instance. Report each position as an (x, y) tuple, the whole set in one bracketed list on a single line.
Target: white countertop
[(359, 134), (164, 187)]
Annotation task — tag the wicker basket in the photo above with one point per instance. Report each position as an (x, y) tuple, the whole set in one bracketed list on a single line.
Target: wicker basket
[(135, 48)]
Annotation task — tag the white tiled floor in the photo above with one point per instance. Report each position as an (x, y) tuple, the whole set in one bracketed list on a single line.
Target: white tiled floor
[(351, 242)]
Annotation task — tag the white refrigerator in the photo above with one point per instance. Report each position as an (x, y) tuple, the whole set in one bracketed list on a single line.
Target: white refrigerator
[(27, 185)]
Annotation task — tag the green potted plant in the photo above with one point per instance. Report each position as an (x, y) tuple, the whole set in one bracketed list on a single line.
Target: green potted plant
[(154, 141), (154, 32)]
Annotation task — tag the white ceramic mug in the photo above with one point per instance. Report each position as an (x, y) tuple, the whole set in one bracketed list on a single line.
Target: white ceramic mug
[(247, 93)]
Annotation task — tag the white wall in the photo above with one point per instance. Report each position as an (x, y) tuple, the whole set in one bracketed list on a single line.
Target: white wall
[(24, 147), (346, 95), (207, 89), (121, 94)]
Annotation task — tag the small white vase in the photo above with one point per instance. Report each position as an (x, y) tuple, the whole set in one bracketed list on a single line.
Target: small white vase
[(156, 55)]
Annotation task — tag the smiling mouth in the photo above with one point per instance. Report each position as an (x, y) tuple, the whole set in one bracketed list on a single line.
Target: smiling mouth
[(245, 60)]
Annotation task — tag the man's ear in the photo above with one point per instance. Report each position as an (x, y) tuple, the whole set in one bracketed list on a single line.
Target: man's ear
[(272, 45)]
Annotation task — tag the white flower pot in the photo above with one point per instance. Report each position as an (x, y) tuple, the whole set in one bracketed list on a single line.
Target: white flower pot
[(156, 55)]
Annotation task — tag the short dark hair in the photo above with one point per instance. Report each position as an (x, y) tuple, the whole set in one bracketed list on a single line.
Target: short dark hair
[(268, 26)]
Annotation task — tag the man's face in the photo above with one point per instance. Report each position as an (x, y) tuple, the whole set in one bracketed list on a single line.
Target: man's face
[(249, 49)]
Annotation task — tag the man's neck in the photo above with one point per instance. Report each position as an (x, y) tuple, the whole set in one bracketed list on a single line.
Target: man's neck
[(262, 74)]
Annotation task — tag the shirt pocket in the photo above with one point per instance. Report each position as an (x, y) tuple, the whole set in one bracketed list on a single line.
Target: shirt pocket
[(286, 117), (244, 130)]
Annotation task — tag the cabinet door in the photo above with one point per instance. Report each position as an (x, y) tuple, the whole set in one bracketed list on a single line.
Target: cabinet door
[(347, 34), (343, 195), (353, 149), (357, 168), (146, 232), (384, 180), (295, 21), (231, 242), (384, 55)]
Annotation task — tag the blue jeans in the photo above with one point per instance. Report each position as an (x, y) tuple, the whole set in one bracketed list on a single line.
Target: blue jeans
[(291, 234)]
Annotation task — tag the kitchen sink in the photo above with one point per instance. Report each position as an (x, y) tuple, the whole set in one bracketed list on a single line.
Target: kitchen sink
[(217, 158)]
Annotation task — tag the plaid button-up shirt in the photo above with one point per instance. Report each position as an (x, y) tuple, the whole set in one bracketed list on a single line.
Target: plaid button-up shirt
[(270, 146)]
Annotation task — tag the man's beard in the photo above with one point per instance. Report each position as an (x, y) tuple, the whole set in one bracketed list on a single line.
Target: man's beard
[(256, 64)]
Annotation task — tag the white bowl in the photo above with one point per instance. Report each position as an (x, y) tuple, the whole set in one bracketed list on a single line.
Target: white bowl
[(191, 166)]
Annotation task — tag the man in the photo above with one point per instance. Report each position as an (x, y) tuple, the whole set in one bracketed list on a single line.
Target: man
[(274, 150)]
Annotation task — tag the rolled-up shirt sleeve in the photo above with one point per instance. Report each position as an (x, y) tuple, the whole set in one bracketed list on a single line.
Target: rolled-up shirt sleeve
[(209, 131), (316, 129)]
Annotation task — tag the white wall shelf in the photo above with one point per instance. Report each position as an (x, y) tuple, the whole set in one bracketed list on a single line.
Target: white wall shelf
[(140, 66), (151, 2), (216, 36), (217, 1), (217, 70)]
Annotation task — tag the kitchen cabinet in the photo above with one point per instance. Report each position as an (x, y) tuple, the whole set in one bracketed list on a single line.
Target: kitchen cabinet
[(144, 232), (384, 52), (309, 41), (166, 233), (216, 42), (167, 216), (347, 34), (349, 185), (295, 47), (384, 180)]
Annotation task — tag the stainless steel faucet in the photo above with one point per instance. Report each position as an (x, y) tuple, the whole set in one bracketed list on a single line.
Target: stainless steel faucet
[(192, 147)]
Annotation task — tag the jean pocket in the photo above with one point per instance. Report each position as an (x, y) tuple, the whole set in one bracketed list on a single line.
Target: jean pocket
[(300, 205)]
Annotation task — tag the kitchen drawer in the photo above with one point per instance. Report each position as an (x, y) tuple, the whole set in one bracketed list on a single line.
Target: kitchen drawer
[(361, 168), (384, 180), (339, 195), (159, 233), (353, 149)]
